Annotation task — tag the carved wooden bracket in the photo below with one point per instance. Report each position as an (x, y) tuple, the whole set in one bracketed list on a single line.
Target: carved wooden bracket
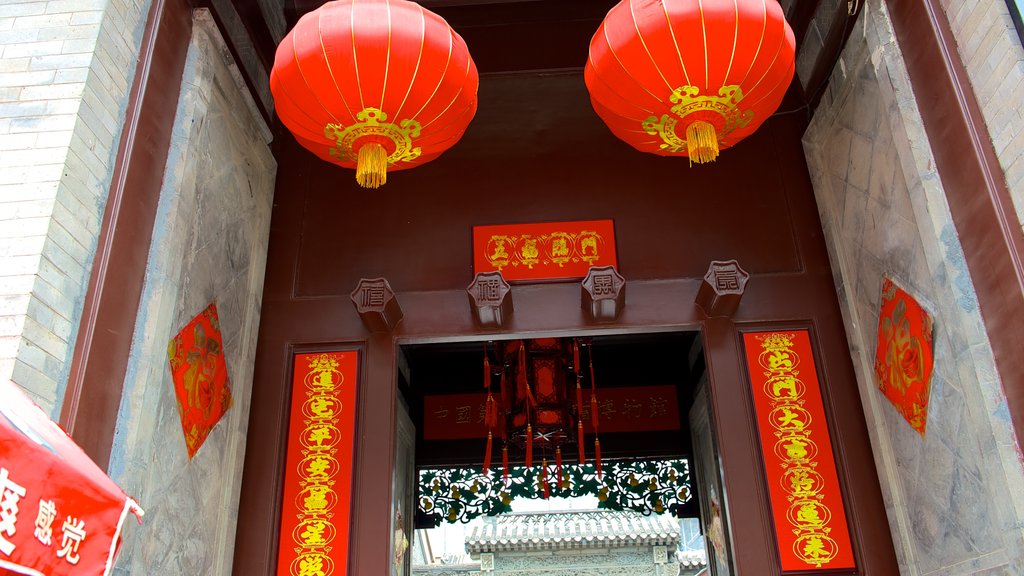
[(603, 294), (490, 297), (722, 288), (376, 303)]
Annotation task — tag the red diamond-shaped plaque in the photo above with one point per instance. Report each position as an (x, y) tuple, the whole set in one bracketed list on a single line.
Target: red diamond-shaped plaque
[(903, 359), (196, 358)]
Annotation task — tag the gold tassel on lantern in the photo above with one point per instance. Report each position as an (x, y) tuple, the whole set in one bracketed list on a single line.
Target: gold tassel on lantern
[(372, 165), (701, 142)]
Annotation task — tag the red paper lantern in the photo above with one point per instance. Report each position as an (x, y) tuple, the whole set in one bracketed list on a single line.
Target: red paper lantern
[(689, 77), (374, 85)]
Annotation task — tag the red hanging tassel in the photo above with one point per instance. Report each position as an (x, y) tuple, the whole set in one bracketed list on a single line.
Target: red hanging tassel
[(504, 465), (595, 418), (490, 412), (579, 442), (487, 372), (597, 457), (500, 408), (579, 400), (524, 384), (544, 479), (529, 445), (558, 467), (489, 416), (576, 356), (487, 454)]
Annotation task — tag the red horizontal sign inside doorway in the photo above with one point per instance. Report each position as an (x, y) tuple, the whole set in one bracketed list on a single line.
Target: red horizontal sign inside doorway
[(545, 251), (627, 409)]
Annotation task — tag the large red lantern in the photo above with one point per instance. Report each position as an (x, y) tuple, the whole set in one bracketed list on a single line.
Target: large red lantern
[(689, 77), (374, 85)]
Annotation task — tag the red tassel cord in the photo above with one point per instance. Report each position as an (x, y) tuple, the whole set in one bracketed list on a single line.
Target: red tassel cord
[(594, 414), (487, 454), (487, 371), (504, 465), (579, 400), (524, 384), (529, 445), (579, 442), (576, 357), (544, 479), (490, 412), (501, 408), (490, 418), (558, 468)]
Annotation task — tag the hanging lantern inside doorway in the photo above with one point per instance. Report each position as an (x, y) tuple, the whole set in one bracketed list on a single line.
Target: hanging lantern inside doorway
[(534, 409), (374, 85), (689, 77)]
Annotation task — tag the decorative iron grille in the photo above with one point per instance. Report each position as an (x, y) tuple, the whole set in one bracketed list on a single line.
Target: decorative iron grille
[(462, 494)]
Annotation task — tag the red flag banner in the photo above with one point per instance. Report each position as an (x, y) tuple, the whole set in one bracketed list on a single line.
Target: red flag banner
[(807, 505), (318, 471), (545, 251), (624, 409), (59, 513)]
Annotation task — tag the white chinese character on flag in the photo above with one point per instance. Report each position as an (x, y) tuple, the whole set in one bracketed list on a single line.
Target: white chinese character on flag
[(10, 493), (74, 533), (44, 521)]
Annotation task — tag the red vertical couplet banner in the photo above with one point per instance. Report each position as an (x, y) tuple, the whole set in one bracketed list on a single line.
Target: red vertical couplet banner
[(807, 505), (318, 473)]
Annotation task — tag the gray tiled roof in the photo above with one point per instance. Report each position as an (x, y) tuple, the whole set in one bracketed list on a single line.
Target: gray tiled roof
[(565, 530)]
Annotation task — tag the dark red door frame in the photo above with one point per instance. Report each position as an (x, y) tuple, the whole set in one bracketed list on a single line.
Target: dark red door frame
[(656, 306), (100, 358)]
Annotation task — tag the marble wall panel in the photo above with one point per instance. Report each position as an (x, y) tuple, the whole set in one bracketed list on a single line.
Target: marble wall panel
[(209, 245), (952, 496)]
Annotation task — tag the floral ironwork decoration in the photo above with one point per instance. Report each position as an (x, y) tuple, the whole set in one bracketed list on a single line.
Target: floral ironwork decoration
[(462, 494)]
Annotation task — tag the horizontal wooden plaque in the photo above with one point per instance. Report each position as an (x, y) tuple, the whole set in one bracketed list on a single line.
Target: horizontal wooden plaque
[(545, 251)]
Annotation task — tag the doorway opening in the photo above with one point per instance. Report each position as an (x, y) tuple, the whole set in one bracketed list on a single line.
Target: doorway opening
[(655, 494)]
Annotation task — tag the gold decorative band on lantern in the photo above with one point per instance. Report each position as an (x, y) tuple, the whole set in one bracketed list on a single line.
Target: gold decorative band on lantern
[(371, 158), (703, 139)]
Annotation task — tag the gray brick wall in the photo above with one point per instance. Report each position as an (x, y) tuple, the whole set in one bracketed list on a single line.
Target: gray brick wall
[(954, 497), (65, 71), (994, 57)]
